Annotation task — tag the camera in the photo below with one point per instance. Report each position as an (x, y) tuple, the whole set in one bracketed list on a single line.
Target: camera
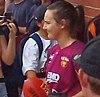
[(4, 30)]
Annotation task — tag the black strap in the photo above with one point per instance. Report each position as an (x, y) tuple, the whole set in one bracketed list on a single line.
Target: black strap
[(2, 80), (41, 75), (38, 40)]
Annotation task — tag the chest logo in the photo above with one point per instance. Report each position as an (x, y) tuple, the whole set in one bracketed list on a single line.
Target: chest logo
[(64, 61)]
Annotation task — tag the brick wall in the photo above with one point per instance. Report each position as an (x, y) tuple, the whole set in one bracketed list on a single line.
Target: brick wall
[(91, 7)]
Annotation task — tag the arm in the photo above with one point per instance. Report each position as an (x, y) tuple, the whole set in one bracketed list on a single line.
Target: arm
[(30, 58), (22, 30), (8, 51), (30, 73)]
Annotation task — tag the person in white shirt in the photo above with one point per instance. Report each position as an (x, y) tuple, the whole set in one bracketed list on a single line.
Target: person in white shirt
[(31, 62)]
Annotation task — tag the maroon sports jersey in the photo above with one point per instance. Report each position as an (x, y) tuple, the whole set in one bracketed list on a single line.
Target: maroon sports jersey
[(60, 69)]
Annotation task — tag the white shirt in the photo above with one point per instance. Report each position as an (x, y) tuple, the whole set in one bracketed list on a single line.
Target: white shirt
[(31, 55)]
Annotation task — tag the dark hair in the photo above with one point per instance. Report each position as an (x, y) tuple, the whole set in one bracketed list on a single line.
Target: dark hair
[(94, 84), (65, 10), (80, 28)]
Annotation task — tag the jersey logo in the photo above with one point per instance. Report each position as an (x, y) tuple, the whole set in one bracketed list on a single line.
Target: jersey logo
[(52, 77), (54, 91), (51, 57), (64, 61)]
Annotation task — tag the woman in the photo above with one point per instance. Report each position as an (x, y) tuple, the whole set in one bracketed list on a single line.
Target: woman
[(60, 22), (7, 53)]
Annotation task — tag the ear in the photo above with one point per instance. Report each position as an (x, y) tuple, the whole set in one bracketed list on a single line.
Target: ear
[(83, 77), (63, 23), (38, 24)]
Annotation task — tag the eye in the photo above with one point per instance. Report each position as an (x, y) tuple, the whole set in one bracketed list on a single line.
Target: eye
[(46, 22)]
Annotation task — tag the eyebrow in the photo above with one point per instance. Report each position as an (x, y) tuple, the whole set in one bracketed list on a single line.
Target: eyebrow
[(46, 21)]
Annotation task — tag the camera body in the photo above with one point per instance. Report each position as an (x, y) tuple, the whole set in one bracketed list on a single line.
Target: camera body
[(4, 30)]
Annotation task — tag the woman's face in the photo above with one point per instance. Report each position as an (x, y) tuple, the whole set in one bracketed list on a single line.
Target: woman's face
[(53, 28)]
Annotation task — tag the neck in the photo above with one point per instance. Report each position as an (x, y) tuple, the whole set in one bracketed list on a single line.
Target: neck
[(43, 34), (65, 40), (67, 43), (18, 1)]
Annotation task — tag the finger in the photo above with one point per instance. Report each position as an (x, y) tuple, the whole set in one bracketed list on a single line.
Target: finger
[(10, 21), (43, 85), (1, 21), (12, 27)]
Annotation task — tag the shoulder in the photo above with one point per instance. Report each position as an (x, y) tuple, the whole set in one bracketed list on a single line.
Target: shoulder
[(78, 44), (77, 47), (30, 43), (54, 48)]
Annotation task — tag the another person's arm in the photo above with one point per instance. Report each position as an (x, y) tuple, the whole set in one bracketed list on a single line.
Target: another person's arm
[(22, 30), (30, 58), (8, 50)]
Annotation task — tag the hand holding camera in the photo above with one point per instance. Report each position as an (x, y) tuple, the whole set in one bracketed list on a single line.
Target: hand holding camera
[(7, 27), (12, 29)]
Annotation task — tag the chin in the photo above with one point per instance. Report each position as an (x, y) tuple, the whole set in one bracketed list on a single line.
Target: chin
[(50, 37)]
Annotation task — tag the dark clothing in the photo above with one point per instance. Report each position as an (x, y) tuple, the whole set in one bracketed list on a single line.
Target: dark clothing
[(31, 24), (20, 12), (11, 86), (37, 2)]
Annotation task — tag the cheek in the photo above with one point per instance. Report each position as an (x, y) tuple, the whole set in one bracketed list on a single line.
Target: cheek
[(53, 33), (52, 28)]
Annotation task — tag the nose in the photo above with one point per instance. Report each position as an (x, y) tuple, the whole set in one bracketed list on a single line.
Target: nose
[(44, 26)]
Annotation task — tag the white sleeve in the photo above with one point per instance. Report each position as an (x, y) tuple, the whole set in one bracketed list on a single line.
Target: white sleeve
[(30, 56)]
